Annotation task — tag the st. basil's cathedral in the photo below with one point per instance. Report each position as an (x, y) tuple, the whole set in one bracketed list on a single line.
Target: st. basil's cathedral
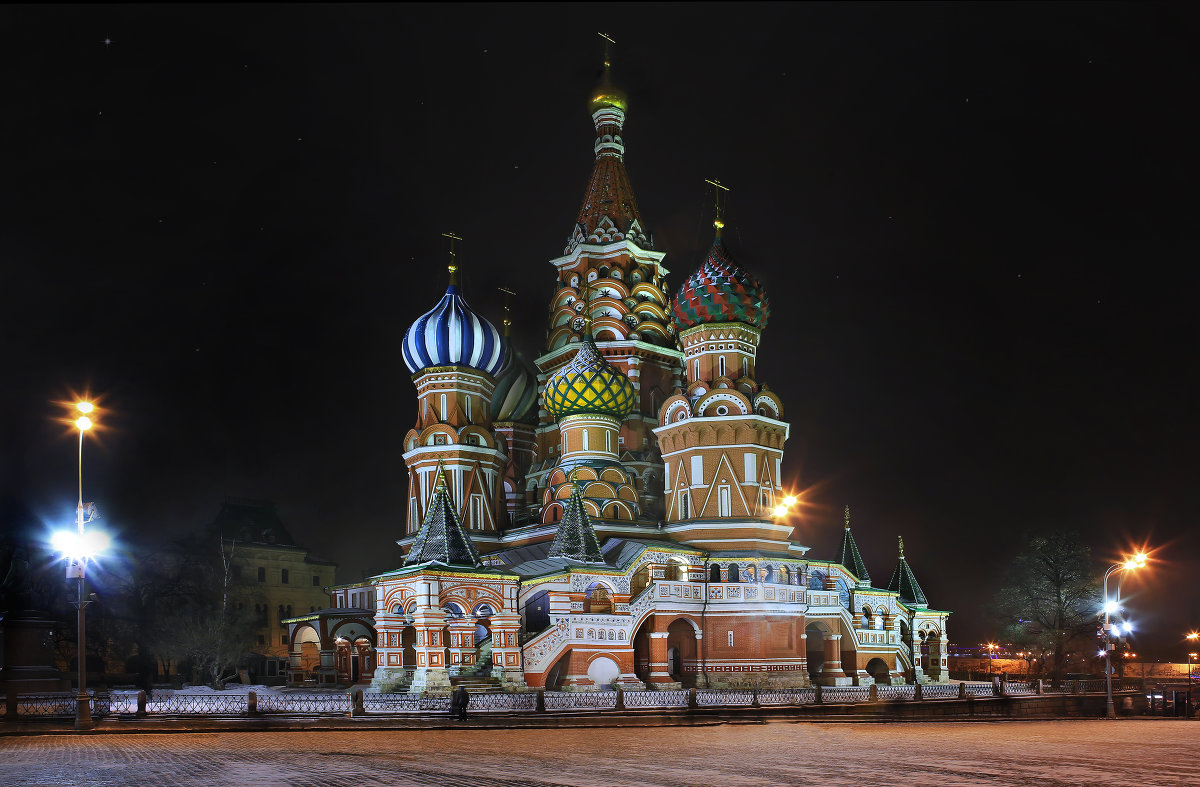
[(613, 512)]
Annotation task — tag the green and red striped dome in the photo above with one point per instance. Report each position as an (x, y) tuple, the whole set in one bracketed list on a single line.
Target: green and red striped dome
[(720, 291)]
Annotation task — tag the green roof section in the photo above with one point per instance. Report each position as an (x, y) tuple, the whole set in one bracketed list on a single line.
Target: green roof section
[(576, 539), (849, 556), (441, 538), (904, 582)]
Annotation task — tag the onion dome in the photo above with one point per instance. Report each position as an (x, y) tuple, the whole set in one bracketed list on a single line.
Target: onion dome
[(516, 394), (451, 334), (589, 385), (720, 291)]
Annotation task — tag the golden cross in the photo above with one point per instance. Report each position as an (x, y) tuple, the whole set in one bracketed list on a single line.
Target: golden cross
[(608, 42), (847, 517), (901, 538), (507, 320), (453, 266), (717, 189)]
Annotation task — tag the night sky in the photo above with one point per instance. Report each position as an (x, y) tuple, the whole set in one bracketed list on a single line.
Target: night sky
[(976, 225)]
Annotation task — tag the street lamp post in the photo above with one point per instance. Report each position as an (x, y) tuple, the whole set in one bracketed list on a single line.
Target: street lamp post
[(1192, 637), (1136, 562), (77, 547)]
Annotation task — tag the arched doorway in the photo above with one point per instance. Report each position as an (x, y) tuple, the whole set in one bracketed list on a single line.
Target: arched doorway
[(814, 649), (641, 650), (681, 652), (603, 672), (557, 672), (305, 654), (878, 669)]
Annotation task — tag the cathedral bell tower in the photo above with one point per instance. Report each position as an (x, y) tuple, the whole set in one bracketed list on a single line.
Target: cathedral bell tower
[(722, 436), (454, 355), (611, 253)]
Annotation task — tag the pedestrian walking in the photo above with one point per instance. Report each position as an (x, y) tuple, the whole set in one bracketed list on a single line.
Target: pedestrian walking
[(460, 702)]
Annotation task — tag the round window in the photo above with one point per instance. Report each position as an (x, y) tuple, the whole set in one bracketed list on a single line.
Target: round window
[(722, 410)]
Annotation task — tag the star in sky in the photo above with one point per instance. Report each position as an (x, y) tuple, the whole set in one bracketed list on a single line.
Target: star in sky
[(107, 41)]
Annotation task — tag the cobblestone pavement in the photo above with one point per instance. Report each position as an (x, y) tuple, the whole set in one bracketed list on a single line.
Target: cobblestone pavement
[(1144, 752)]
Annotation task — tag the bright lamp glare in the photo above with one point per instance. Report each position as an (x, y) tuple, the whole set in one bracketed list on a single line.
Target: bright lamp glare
[(84, 407), (780, 511), (1110, 607), (1101, 653), (789, 501), (1128, 627), (80, 546), (84, 423)]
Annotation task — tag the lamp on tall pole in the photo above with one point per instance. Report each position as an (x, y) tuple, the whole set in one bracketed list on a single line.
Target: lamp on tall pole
[(1192, 637), (1135, 562), (78, 547)]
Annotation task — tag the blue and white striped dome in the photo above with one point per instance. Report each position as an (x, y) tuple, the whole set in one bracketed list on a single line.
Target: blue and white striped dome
[(450, 334)]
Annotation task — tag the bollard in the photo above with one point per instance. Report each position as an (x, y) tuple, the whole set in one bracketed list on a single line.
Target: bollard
[(754, 696), (995, 687), (962, 691), (818, 700), (918, 693), (620, 699), (1041, 689), (874, 694), (252, 702), (356, 698), (541, 701), (141, 699), (692, 701), (1003, 685)]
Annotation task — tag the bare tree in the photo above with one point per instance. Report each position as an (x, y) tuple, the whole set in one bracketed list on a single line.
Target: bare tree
[(1050, 596)]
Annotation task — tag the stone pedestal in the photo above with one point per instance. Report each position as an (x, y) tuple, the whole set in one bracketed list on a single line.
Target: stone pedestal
[(27, 655), (432, 680)]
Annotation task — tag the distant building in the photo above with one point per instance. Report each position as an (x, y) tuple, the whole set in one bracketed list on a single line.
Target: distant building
[(281, 579), (605, 515)]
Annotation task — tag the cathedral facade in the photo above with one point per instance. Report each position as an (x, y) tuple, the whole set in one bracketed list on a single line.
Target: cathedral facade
[(613, 511)]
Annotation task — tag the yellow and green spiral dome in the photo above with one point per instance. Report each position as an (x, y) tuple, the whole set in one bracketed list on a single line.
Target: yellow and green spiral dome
[(588, 385)]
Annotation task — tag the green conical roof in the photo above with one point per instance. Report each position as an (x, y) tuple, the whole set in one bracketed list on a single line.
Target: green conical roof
[(575, 538), (904, 582), (441, 538), (849, 556)]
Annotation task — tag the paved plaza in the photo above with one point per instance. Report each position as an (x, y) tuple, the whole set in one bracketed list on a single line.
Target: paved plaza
[(1144, 752)]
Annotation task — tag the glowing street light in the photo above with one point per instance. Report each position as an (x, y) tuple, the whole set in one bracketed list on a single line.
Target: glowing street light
[(78, 546), (782, 510), (1130, 564)]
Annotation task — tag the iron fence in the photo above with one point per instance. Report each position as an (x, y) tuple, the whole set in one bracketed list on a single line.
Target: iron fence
[(843, 695), (500, 702), (178, 703), (929, 691), (719, 697), (656, 699), (787, 696), (304, 703), (904, 692), (580, 700)]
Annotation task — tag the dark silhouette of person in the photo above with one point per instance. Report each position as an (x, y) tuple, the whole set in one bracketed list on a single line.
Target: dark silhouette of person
[(459, 703)]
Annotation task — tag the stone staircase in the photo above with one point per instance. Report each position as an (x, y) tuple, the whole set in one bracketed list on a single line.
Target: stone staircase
[(476, 684)]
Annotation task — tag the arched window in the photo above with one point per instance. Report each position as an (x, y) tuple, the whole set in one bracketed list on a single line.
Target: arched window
[(714, 573), (696, 370), (721, 366), (735, 573), (442, 405)]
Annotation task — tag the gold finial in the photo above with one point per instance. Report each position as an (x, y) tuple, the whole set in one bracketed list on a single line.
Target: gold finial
[(440, 479), (847, 517), (717, 189), (901, 538), (453, 266), (507, 319)]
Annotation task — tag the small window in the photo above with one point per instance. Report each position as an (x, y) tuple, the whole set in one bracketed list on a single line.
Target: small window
[(262, 574), (316, 580), (283, 575), (730, 634), (283, 639)]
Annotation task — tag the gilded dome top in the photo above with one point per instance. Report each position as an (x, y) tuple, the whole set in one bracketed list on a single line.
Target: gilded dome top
[(588, 385), (720, 291)]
